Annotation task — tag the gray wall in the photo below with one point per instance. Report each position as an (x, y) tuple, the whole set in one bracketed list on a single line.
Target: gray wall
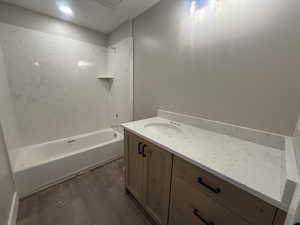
[(123, 32), (7, 187), (28, 19), (240, 65)]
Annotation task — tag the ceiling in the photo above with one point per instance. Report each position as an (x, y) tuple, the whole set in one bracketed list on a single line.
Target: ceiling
[(100, 15)]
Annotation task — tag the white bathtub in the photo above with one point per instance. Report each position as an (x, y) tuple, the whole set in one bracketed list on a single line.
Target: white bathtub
[(40, 166)]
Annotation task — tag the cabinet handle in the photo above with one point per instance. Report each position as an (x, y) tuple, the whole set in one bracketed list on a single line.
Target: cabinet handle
[(215, 190), (143, 151), (139, 148), (196, 213)]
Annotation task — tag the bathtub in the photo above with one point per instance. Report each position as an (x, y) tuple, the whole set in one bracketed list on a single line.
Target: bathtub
[(40, 166)]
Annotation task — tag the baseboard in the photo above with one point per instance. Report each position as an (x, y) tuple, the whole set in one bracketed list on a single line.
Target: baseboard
[(12, 219)]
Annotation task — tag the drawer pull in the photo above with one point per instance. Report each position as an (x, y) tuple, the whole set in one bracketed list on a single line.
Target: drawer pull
[(143, 151), (196, 213), (139, 148), (215, 190)]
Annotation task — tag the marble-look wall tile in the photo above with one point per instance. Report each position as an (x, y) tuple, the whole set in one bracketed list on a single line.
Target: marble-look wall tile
[(120, 59), (7, 113), (7, 187), (53, 84), (297, 129)]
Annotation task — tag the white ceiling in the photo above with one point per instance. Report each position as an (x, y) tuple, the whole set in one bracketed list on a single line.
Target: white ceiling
[(100, 15)]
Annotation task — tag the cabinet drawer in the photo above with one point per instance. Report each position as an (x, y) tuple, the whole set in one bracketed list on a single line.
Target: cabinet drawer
[(252, 209), (189, 206)]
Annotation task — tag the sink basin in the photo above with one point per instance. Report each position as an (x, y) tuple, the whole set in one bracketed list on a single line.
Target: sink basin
[(163, 128)]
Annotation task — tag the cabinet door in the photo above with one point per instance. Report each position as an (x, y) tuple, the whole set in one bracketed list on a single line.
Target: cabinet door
[(158, 181), (135, 174), (280, 217)]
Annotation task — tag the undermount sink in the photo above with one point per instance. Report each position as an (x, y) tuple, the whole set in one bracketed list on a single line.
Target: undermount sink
[(163, 128)]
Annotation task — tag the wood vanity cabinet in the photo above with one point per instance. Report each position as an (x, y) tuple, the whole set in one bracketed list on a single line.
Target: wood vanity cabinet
[(175, 192), (148, 176), (224, 202), (189, 206)]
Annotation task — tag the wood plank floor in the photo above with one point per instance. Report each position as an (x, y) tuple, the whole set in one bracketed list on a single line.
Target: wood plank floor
[(94, 198)]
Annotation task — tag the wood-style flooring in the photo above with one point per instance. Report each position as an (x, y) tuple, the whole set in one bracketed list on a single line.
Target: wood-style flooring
[(94, 198)]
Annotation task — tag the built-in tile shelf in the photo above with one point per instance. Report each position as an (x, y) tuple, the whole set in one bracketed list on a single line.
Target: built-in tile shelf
[(106, 76)]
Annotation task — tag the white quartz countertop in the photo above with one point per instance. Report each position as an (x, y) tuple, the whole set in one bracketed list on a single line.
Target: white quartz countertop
[(254, 168)]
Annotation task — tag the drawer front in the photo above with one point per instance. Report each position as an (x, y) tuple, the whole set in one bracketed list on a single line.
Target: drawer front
[(189, 206), (252, 209)]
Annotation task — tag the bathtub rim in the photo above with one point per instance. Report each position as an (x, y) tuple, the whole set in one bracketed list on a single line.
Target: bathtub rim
[(71, 137), (17, 169)]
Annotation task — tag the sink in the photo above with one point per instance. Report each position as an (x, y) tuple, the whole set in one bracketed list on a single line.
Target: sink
[(163, 128)]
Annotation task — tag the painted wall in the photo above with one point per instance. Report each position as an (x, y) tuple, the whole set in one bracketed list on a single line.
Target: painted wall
[(238, 64), (7, 112), (7, 187), (28, 19), (123, 32), (53, 84)]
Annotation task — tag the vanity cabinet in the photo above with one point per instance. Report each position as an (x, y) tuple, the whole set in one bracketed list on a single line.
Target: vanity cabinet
[(199, 182), (148, 176), (193, 207), (175, 192)]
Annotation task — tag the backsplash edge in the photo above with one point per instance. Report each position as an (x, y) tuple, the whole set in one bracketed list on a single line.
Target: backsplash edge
[(259, 137)]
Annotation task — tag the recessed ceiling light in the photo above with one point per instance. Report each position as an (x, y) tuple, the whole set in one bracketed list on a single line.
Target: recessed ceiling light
[(66, 10)]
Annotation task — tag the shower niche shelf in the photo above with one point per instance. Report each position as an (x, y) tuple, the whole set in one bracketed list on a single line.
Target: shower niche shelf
[(106, 77)]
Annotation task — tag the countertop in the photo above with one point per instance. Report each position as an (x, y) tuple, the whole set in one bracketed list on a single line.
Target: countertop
[(252, 167)]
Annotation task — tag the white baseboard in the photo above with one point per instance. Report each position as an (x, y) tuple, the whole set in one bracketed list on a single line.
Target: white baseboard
[(12, 219)]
